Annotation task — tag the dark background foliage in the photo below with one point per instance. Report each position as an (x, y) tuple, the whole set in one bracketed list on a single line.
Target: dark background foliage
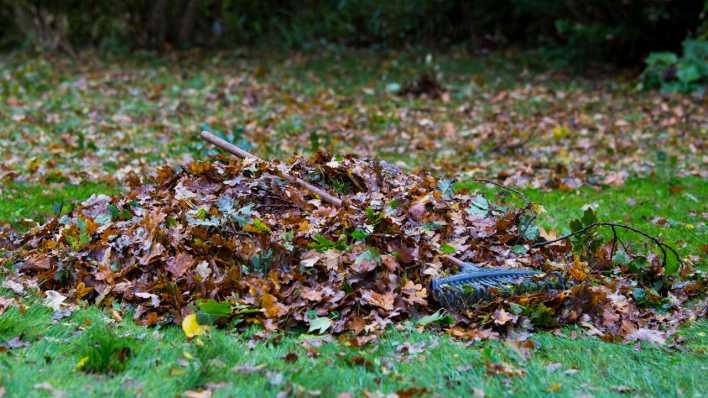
[(618, 31)]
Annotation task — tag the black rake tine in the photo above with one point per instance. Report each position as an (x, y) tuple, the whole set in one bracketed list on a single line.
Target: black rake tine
[(467, 288)]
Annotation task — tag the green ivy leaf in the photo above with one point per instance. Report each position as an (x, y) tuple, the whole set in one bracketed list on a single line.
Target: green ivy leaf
[(358, 234), (445, 187), (211, 311), (371, 254), (576, 225), (621, 258), (479, 207), (201, 214), (638, 264), (519, 249), (374, 217), (528, 227), (214, 307), (688, 72), (323, 244), (257, 225), (447, 249), (102, 219), (662, 58), (589, 217), (516, 309)]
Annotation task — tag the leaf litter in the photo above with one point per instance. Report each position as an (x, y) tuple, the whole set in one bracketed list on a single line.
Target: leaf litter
[(547, 130), (230, 242)]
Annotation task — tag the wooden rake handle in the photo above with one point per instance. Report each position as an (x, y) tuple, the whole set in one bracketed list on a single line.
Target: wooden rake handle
[(231, 148)]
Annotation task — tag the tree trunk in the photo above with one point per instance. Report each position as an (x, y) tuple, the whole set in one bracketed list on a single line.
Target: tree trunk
[(158, 23), (187, 24)]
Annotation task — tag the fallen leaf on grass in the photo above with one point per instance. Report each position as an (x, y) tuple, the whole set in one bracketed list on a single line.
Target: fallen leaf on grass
[(297, 390), (622, 389), (553, 366), (358, 360), (14, 286), (192, 328), (504, 369), (54, 299), (523, 348), (248, 369), (290, 357), (14, 343), (55, 393), (501, 317), (412, 392), (61, 314), (198, 394), (154, 300), (275, 378), (6, 303), (653, 336), (438, 316), (320, 324), (378, 394), (555, 387), (82, 362)]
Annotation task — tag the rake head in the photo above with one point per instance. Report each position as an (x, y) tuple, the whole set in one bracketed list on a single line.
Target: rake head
[(474, 285)]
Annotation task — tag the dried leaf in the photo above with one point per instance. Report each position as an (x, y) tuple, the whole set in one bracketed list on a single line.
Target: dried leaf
[(192, 328)]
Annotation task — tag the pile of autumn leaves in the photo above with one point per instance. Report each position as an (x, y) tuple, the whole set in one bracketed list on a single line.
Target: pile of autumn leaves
[(234, 244)]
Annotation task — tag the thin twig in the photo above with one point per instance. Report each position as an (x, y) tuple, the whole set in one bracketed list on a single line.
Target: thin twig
[(662, 246), (614, 242), (624, 246)]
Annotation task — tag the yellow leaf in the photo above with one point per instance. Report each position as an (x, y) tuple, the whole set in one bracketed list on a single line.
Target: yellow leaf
[(560, 132), (257, 226), (177, 372), (578, 269), (191, 327), (538, 209), (272, 307), (555, 387), (82, 363)]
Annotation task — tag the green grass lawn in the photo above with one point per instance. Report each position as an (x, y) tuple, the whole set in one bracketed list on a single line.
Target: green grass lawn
[(40, 202), (163, 363), (63, 135)]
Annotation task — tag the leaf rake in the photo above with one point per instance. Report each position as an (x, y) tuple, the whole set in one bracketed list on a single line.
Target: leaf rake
[(471, 286), (474, 285)]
